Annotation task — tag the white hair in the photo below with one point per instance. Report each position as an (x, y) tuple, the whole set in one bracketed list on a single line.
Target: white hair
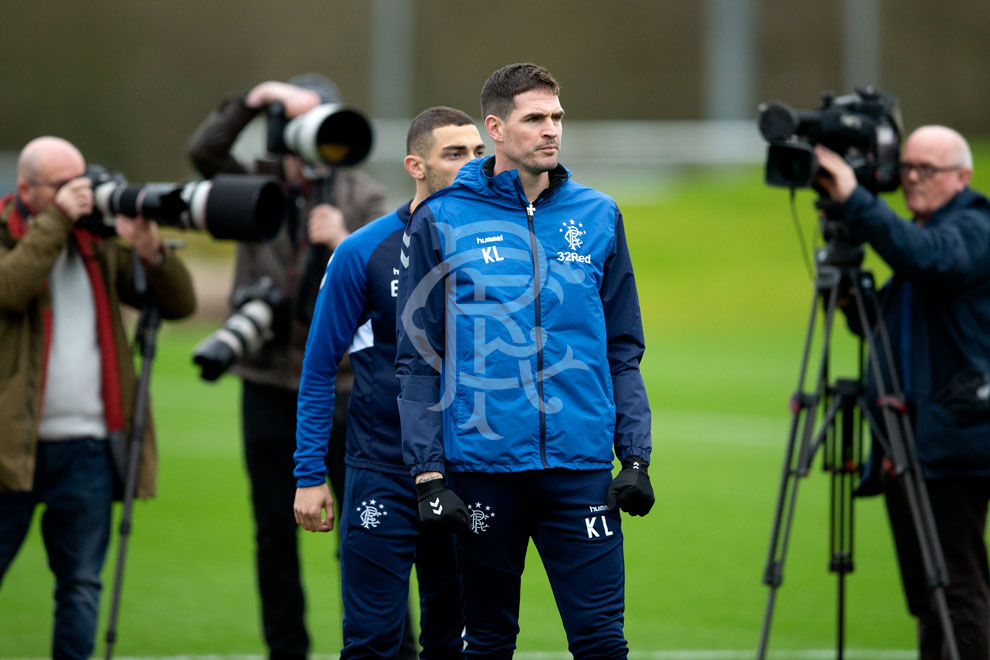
[(960, 147)]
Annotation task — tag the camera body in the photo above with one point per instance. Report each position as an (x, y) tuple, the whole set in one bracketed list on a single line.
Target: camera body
[(228, 206), (864, 128), (244, 332), (328, 134)]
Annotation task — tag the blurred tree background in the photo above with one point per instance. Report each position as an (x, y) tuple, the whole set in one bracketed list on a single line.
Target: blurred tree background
[(649, 87), (128, 80)]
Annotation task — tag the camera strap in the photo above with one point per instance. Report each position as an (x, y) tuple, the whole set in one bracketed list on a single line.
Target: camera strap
[(296, 198), (316, 256)]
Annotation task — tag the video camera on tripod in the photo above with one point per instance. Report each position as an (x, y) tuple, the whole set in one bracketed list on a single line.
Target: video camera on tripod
[(864, 129)]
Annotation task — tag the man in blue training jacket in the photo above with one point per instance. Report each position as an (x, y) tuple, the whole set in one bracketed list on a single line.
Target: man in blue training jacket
[(519, 344), (936, 309), (380, 535)]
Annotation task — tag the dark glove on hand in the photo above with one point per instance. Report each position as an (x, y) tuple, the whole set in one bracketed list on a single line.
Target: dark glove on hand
[(631, 490), (440, 508)]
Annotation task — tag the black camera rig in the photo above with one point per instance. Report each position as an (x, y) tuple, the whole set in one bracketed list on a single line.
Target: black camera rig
[(864, 128)]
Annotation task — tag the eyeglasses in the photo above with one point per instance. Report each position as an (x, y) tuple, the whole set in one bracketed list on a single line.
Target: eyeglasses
[(925, 171), (56, 184)]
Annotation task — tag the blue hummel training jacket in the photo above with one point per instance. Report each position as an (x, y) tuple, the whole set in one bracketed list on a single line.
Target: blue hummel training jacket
[(355, 311), (519, 331)]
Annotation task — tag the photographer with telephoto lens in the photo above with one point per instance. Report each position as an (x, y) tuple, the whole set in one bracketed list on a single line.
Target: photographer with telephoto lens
[(67, 378), (936, 308), (326, 201)]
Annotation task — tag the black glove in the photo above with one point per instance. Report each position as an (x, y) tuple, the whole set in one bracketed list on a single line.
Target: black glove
[(440, 508), (631, 490)]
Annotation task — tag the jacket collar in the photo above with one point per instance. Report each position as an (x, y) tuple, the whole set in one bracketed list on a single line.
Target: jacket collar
[(404, 213), (479, 175), (966, 198), (17, 219)]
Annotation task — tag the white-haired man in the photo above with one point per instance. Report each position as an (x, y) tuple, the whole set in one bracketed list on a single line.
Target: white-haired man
[(936, 308)]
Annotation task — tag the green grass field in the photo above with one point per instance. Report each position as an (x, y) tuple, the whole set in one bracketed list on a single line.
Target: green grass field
[(725, 297)]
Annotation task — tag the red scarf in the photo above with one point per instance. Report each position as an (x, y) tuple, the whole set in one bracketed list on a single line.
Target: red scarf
[(88, 244)]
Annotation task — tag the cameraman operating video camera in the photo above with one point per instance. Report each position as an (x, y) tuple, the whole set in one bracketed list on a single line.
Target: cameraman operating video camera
[(324, 204), (67, 379), (936, 308)]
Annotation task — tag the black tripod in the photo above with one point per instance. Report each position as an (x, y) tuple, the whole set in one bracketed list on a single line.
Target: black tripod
[(129, 460), (839, 280)]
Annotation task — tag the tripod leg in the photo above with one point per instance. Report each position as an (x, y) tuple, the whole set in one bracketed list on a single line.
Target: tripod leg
[(773, 574), (843, 454), (931, 553), (148, 328), (797, 459), (900, 447), (922, 600)]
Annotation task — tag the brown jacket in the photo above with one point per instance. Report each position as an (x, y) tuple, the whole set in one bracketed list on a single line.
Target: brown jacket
[(25, 265), (284, 258)]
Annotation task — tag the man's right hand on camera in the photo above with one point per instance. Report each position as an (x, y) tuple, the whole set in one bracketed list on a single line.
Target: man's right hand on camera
[(296, 100), (838, 179), (440, 508), (75, 198)]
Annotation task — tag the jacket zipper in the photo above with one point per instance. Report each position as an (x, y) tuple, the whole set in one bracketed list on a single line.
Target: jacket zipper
[(530, 210)]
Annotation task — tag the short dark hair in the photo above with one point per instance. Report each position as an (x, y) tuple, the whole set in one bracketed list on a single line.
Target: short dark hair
[(498, 96), (419, 139)]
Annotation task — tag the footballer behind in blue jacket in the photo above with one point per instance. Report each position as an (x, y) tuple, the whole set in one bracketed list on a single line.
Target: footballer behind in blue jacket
[(519, 344), (380, 528)]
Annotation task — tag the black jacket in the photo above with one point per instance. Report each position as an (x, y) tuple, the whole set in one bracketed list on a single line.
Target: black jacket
[(936, 308)]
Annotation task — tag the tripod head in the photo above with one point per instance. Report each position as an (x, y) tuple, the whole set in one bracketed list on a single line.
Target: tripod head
[(841, 249)]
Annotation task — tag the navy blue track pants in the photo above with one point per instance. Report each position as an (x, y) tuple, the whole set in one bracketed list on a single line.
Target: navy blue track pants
[(380, 540), (579, 541)]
